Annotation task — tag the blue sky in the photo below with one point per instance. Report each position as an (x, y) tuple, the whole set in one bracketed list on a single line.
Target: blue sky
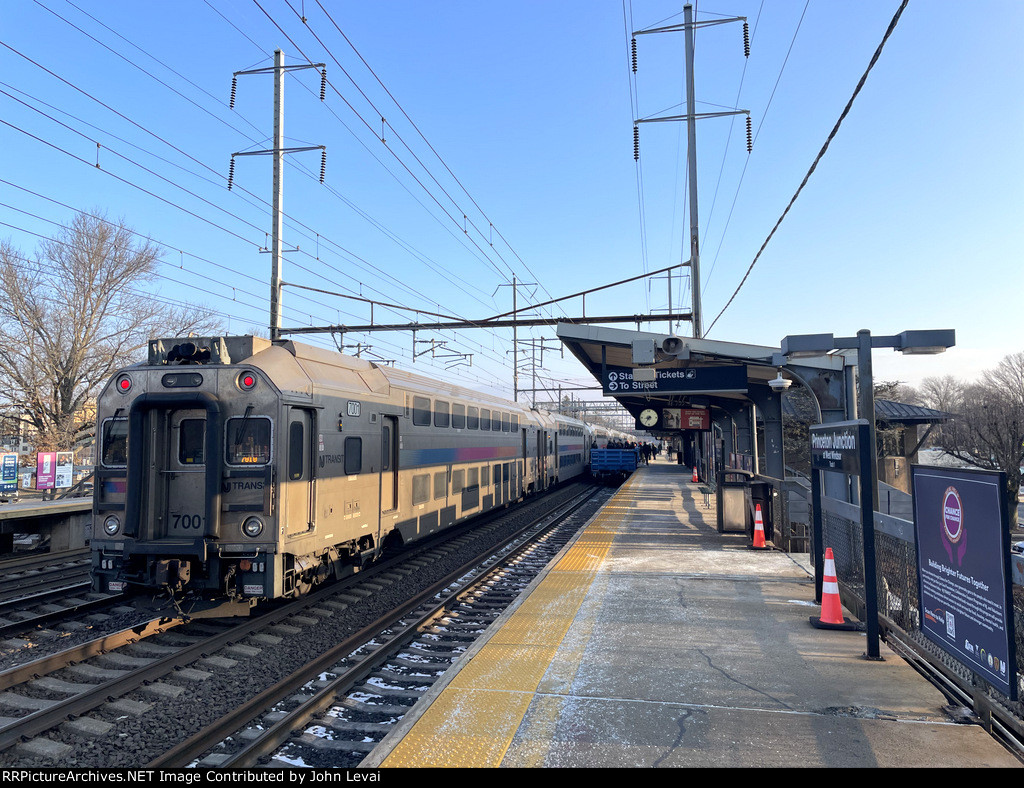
[(510, 153)]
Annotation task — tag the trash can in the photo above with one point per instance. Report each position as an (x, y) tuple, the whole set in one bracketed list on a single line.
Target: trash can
[(733, 498)]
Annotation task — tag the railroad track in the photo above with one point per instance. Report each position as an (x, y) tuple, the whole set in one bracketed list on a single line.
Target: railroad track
[(341, 705), (28, 574), (152, 686), (41, 589)]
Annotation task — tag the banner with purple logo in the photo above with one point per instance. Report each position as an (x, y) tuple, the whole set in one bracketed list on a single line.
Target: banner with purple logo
[(963, 557)]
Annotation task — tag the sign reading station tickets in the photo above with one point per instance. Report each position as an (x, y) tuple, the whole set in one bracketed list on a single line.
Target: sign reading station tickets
[(963, 563), (677, 380)]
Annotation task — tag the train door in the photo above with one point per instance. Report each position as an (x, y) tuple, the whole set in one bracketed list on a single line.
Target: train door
[(389, 464), (556, 457), (525, 474), (542, 460), (180, 448), (298, 472)]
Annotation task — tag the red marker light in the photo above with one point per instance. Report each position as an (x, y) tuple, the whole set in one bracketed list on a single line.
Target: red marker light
[(124, 384), (246, 381)]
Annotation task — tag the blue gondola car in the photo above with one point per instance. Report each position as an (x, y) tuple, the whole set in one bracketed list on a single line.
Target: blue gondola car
[(612, 465)]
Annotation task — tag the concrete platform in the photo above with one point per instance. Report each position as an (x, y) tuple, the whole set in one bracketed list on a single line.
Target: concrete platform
[(654, 641)]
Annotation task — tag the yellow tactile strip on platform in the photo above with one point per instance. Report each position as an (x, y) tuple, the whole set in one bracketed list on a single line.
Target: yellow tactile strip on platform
[(472, 722)]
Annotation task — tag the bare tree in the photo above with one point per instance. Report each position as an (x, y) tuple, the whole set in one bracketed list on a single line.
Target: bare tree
[(75, 313), (988, 430), (944, 393)]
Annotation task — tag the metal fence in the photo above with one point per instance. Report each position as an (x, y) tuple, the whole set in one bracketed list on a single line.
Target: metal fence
[(899, 617)]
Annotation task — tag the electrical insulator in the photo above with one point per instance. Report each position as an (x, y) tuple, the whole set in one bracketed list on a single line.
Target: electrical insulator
[(323, 163), (234, 86), (231, 173), (634, 55), (750, 135), (746, 40), (636, 143), (323, 84)]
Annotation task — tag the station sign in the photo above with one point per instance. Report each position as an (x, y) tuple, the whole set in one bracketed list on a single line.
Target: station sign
[(837, 446), (617, 381), (961, 526)]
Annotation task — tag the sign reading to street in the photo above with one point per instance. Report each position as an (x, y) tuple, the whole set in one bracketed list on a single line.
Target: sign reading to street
[(836, 447), (677, 380), (963, 564)]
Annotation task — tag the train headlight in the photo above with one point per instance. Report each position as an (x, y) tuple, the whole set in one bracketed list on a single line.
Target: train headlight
[(252, 527), (111, 525)]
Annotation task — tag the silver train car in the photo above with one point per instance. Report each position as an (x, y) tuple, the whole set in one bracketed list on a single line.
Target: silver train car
[(242, 469)]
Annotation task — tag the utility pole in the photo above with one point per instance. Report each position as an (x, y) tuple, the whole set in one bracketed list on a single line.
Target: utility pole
[(691, 117), (515, 334), (278, 151), (691, 165)]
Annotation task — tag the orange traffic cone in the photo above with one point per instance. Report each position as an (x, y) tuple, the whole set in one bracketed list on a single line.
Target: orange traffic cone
[(759, 543), (695, 479), (831, 607)]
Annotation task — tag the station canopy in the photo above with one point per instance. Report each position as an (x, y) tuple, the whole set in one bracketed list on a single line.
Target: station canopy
[(664, 373)]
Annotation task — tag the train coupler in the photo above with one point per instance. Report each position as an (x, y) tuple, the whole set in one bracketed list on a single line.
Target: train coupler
[(173, 574)]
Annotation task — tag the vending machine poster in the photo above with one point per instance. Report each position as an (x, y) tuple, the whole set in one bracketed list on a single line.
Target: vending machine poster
[(963, 557), (8, 472), (46, 470)]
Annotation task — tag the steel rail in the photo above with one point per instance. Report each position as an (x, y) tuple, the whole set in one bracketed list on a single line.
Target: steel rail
[(274, 735)]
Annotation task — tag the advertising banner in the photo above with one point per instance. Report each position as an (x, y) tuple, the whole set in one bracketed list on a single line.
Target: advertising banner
[(65, 473), (686, 419), (46, 470), (963, 556), (8, 473)]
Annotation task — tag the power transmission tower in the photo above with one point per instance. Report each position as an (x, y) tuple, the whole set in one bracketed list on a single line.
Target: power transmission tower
[(278, 151), (691, 117)]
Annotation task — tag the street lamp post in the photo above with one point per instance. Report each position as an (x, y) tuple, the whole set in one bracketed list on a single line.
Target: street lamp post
[(908, 342)]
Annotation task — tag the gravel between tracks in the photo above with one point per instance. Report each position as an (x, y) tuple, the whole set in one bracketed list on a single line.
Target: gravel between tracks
[(135, 740)]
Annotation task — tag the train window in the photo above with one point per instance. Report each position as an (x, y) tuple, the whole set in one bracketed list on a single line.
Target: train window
[(496, 421), (296, 450), (191, 441), (421, 488), (115, 443), (506, 422), (515, 422), (421, 411), (353, 456), (385, 460), (485, 419), (505, 472), (485, 476), (458, 482), (441, 484), (459, 416), (473, 418), (441, 414), (472, 477), (248, 441)]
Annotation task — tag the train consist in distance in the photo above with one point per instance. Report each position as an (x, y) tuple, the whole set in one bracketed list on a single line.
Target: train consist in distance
[(238, 469)]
